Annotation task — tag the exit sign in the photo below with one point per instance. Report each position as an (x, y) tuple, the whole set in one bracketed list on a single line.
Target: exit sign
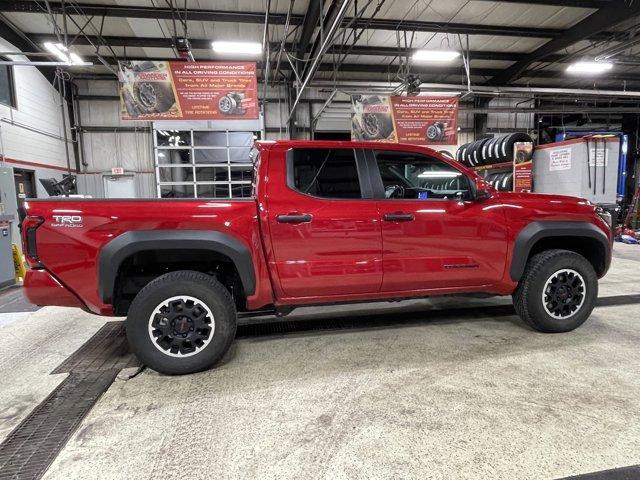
[(117, 171)]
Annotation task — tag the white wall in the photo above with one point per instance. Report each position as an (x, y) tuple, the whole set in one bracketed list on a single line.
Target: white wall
[(32, 134)]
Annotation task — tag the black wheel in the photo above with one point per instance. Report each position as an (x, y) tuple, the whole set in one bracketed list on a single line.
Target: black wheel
[(507, 145), (487, 151), (153, 97), (473, 148), (501, 181), (507, 183), (557, 291), (496, 158), (435, 132), (478, 151), (463, 155), (181, 322), (227, 104), (377, 126), (469, 154)]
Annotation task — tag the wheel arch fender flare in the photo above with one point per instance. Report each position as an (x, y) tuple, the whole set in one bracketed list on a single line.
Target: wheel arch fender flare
[(117, 250), (536, 231)]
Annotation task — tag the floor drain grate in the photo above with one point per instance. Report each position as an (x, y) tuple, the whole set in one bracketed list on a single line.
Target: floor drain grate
[(106, 350), (33, 445)]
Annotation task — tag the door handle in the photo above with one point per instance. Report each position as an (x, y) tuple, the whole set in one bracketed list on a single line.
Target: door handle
[(294, 218), (398, 217)]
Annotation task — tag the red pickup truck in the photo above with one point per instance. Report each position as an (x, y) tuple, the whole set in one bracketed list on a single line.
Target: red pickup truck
[(328, 222)]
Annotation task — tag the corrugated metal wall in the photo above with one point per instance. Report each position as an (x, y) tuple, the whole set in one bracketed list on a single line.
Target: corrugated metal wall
[(131, 149)]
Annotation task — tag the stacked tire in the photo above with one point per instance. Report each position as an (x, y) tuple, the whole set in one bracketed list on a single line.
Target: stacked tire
[(489, 151), (502, 181)]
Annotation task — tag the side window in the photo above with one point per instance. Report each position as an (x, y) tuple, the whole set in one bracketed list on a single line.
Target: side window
[(7, 94), (326, 173), (409, 175)]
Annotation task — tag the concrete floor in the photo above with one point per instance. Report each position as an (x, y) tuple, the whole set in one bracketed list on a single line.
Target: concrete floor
[(464, 397)]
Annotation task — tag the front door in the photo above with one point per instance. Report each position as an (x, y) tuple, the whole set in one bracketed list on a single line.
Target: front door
[(323, 222), (434, 234)]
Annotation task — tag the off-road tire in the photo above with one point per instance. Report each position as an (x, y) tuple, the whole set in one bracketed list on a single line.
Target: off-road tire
[(528, 300), (376, 126), (161, 97), (181, 283)]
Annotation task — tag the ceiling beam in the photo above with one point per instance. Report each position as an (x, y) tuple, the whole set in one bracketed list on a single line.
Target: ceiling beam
[(563, 3), (279, 19), (605, 18), (309, 24), (205, 44), (23, 43), (368, 50), (162, 13), (430, 71), (453, 27), (600, 90)]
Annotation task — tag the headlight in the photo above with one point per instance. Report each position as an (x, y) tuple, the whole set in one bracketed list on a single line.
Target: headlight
[(605, 216)]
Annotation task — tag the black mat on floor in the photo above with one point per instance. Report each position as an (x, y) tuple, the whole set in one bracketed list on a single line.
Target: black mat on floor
[(624, 473), (35, 443), (106, 350)]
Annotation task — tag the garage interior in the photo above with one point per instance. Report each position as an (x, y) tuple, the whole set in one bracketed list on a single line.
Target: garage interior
[(547, 100)]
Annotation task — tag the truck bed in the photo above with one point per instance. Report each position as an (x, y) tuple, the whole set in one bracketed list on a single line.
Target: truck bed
[(75, 231)]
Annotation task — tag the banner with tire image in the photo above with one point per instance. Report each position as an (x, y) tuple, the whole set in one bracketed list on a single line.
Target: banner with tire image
[(419, 120), (372, 118), (174, 90)]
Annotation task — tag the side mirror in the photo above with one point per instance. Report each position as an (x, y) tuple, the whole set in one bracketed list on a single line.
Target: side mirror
[(483, 189)]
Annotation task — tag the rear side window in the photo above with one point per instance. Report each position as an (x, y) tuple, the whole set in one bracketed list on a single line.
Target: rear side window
[(326, 173)]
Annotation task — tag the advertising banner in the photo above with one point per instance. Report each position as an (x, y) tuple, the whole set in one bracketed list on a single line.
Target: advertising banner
[(523, 166), (420, 120), (174, 90)]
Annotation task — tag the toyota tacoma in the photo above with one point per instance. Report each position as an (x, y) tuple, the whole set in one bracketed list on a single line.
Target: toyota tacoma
[(328, 222)]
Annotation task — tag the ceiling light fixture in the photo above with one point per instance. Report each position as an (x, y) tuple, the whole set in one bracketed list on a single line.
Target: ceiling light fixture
[(237, 48), (589, 67), (435, 55), (64, 55)]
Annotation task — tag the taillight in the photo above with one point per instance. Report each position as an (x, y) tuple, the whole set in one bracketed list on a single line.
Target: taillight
[(29, 244)]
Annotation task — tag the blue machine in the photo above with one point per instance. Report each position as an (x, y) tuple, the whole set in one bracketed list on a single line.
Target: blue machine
[(622, 163)]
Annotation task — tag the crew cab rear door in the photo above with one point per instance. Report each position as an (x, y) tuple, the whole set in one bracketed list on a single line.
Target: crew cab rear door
[(325, 237), (435, 236)]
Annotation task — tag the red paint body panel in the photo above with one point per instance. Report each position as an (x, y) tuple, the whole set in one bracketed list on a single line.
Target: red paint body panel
[(41, 288), (341, 246), (450, 243), (71, 253), (346, 254)]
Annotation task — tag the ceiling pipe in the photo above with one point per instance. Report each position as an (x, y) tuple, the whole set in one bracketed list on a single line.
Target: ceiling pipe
[(615, 50), (454, 89), (285, 35), (328, 39), (265, 50)]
